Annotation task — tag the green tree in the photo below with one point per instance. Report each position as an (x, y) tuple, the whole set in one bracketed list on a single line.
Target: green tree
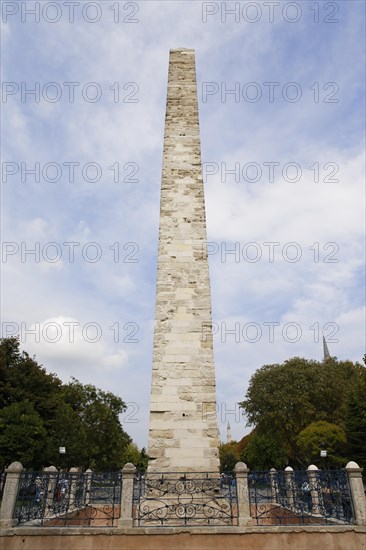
[(135, 456), (229, 455), (356, 422), (39, 414), (23, 436), (23, 379), (67, 430), (131, 454), (322, 435), (283, 399), (143, 461), (24, 383), (99, 411), (264, 452), (243, 444)]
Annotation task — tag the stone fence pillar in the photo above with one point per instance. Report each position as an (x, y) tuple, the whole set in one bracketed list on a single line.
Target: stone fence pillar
[(313, 488), (357, 491), (71, 488), (88, 482), (272, 477), (10, 494), (126, 512), (289, 472), (241, 473), (50, 494)]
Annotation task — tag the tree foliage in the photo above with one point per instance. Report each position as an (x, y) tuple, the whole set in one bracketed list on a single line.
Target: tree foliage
[(284, 399), (22, 434), (355, 422), (39, 414), (229, 455), (322, 435), (133, 455), (264, 452)]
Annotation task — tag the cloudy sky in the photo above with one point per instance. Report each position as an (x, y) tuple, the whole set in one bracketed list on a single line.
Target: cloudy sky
[(282, 130)]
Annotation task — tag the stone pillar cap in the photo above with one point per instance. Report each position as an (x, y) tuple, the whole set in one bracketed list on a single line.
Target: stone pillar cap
[(312, 467), (240, 466), (129, 467), (14, 467), (50, 469), (352, 464)]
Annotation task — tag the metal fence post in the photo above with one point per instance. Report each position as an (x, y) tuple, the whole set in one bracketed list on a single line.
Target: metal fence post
[(126, 512), (358, 496), (10, 494), (241, 473)]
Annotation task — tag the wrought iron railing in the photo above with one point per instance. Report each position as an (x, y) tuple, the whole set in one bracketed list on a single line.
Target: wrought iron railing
[(297, 498), (184, 499), (68, 499), (90, 499)]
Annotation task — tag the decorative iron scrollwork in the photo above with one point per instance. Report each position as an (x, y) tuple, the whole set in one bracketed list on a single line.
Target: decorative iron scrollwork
[(192, 499)]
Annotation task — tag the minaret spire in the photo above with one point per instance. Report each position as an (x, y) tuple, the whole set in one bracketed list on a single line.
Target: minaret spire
[(229, 437), (325, 349)]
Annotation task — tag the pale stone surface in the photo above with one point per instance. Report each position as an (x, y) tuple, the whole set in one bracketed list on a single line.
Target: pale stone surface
[(183, 392), (241, 474), (10, 494), (303, 537), (357, 490), (125, 519)]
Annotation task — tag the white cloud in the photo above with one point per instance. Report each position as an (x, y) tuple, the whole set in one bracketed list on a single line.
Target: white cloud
[(73, 346)]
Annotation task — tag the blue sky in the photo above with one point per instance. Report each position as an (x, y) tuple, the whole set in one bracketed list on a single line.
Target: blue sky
[(323, 139)]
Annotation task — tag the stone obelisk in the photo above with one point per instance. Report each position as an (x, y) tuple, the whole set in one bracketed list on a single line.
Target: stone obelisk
[(183, 432)]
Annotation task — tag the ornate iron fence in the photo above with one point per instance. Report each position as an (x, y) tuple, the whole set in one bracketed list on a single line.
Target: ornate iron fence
[(300, 497), (184, 499), (68, 499), (52, 498)]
